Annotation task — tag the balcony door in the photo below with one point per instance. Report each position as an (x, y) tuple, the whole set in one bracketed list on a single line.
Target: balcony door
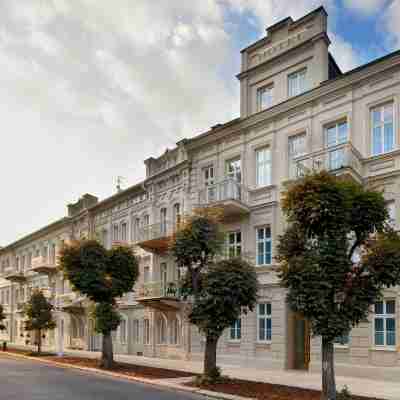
[(234, 177), (163, 278), (163, 221)]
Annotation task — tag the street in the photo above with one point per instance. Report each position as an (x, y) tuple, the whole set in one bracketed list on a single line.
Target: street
[(30, 380)]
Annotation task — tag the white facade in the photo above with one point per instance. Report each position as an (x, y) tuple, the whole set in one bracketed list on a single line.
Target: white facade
[(298, 111)]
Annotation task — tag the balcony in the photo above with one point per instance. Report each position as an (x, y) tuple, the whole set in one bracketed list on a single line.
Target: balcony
[(70, 302), (229, 196), (342, 160), (155, 238), (16, 276), (42, 265), (159, 295)]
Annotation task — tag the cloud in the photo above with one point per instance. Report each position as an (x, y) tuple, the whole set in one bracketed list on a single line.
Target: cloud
[(344, 53), (391, 24), (365, 7)]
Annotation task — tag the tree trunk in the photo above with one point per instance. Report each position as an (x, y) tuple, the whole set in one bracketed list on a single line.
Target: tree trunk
[(107, 356), (210, 356), (328, 371), (39, 342)]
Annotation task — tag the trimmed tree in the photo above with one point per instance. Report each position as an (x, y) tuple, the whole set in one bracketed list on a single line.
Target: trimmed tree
[(333, 262), (39, 317), (227, 289), (103, 276)]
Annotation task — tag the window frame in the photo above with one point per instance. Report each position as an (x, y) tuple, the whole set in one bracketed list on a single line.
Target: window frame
[(265, 240), (236, 173), (235, 330), (385, 316), (269, 88), (265, 316), (266, 164), (297, 74), (235, 245), (381, 108)]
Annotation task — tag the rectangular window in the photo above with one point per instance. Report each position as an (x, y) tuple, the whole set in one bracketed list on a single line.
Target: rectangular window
[(146, 331), (115, 232), (297, 82), (264, 246), (122, 331), (342, 340), (264, 97), (233, 244), (335, 135), (124, 231), (136, 229), (382, 119), (264, 322), (234, 170), (297, 148), (236, 330), (385, 323), (136, 332), (263, 167), (208, 176)]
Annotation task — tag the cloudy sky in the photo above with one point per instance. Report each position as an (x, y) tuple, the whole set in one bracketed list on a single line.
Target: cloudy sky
[(90, 88)]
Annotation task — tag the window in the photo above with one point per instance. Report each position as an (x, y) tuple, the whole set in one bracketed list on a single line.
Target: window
[(264, 254), (385, 323), (263, 167), (382, 129), (104, 237), (297, 148), (146, 331), (234, 244), (146, 220), (342, 340), (136, 229), (136, 332), (335, 135), (17, 264), (391, 207), (175, 331), (146, 274), (234, 170), (163, 221), (122, 330), (208, 176), (124, 230), (235, 332), (264, 322), (161, 331), (115, 232), (297, 82), (177, 214), (164, 277), (53, 254), (264, 97)]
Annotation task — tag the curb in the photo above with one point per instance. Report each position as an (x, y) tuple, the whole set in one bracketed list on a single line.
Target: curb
[(153, 382)]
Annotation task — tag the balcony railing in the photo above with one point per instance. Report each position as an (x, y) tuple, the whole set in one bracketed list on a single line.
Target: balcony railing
[(229, 195), (156, 237), (332, 159), (159, 289), (43, 265)]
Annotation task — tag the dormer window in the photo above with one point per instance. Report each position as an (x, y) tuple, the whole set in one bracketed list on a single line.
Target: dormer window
[(264, 97), (297, 82)]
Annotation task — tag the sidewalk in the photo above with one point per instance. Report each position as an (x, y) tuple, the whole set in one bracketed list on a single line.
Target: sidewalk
[(363, 387)]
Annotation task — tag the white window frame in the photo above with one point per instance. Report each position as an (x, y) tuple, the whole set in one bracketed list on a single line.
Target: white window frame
[(381, 109), (146, 331), (265, 240), (237, 244), (123, 330), (385, 316), (296, 76), (208, 175), (236, 172), (124, 231), (263, 164), (235, 331), (265, 317), (269, 91)]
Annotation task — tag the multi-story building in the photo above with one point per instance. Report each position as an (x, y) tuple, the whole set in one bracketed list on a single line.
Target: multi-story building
[(298, 112)]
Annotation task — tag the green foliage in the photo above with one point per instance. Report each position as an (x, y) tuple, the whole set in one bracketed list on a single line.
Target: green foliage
[(107, 318), (101, 275), (98, 273), (196, 244), (229, 288), (38, 313), (330, 219), (215, 377), (344, 394), (2, 318)]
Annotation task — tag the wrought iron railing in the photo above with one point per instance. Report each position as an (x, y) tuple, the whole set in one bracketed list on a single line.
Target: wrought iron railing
[(159, 289), (228, 189), (155, 231)]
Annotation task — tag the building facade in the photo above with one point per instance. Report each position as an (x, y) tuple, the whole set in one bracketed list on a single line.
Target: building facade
[(298, 112)]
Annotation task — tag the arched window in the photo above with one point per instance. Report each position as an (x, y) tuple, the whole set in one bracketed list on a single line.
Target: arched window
[(176, 331), (162, 330)]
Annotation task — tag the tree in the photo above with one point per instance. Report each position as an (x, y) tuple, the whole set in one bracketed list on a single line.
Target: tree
[(337, 255), (102, 275), (39, 317), (227, 289)]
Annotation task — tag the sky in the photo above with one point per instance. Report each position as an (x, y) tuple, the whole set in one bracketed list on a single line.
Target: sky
[(91, 88)]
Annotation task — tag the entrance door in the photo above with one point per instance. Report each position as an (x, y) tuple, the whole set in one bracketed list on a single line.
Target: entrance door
[(302, 344)]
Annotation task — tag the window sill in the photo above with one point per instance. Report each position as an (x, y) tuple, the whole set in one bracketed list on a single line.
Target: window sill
[(263, 343), (383, 348), (261, 188), (235, 342), (341, 347)]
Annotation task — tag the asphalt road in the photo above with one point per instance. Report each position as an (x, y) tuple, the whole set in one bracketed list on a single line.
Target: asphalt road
[(30, 380)]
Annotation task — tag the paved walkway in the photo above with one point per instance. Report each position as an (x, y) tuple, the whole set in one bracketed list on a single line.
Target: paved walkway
[(359, 386)]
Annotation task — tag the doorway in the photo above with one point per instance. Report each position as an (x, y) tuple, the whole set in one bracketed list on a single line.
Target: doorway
[(301, 343)]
